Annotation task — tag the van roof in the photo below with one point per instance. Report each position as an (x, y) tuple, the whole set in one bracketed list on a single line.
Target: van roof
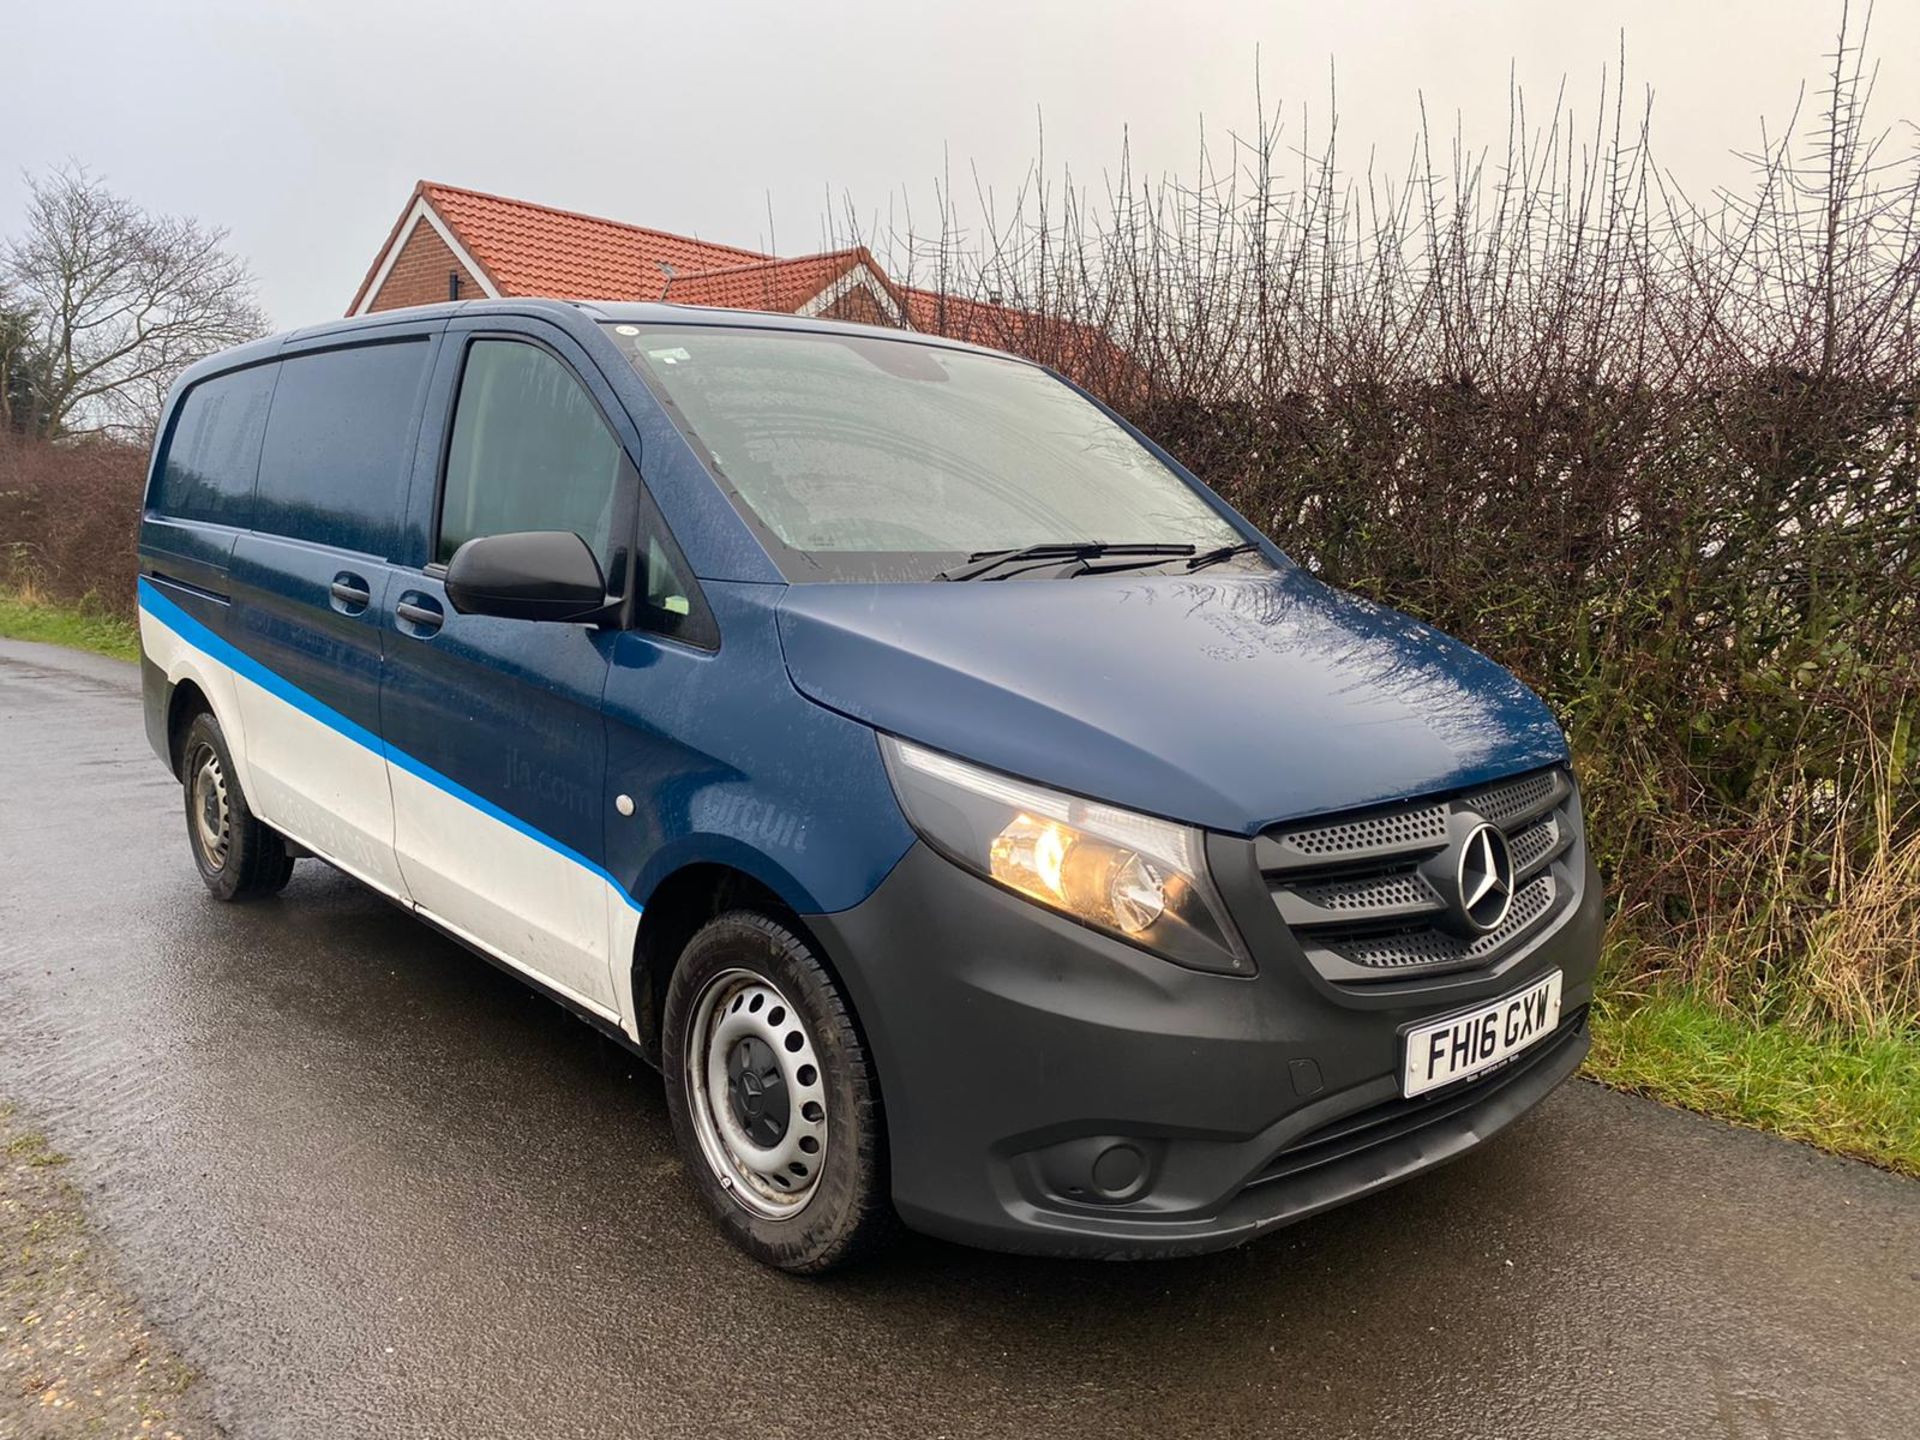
[(575, 315), (647, 312)]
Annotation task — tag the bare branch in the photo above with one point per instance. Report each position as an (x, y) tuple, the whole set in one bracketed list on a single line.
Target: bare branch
[(117, 302)]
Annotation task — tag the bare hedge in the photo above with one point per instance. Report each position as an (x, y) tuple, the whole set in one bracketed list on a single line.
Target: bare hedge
[(1658, 457), (70, 519)]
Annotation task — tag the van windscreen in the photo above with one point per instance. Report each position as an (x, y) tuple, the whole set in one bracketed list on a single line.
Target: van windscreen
[(861, 457)]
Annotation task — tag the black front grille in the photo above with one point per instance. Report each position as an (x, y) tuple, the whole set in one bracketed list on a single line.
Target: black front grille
[(1516, 799), (1391, 1119), (1427, 947), (1357, 837), (1359, 894), (1534, 843)]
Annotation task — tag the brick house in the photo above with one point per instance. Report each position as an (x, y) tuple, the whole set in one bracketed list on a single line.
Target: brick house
[(453, 243)]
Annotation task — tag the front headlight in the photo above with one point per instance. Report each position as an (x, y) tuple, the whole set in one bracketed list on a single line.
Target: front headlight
[(1134, 876)]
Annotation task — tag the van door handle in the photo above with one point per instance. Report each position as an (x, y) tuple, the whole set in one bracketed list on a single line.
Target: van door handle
[(419, 614), (350, 593)]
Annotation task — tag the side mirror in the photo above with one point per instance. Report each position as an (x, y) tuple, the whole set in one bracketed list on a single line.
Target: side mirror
[(528, 575)]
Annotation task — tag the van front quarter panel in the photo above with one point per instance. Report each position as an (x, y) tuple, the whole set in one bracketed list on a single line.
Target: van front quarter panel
[(728, 764)]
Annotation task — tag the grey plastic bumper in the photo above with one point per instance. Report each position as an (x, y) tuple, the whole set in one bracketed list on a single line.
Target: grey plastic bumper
[(1051, 1090)]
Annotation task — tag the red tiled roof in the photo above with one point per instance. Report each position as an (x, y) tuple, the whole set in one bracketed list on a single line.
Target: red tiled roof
[(958, 318), (529, 249), (1081, 350), (765, 284), (780, 285)]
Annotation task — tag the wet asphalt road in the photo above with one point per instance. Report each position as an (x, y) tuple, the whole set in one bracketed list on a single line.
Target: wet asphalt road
[(369, 1186)]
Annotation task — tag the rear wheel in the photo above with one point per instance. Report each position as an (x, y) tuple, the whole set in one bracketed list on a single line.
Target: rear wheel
[(773, 1099), (237, 856)]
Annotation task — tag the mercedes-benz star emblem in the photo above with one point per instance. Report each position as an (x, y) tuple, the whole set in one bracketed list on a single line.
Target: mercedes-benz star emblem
[(1485, 879)]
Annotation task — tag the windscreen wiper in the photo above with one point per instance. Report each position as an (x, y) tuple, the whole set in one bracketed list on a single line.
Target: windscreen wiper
[(1149, 555), (1225, 552), (993, 564)]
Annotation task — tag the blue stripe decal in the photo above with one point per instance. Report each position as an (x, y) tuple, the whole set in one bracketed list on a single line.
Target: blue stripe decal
[(226, 653)]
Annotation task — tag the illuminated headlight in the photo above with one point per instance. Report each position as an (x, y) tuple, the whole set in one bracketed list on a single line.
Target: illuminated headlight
[(1134, 876)]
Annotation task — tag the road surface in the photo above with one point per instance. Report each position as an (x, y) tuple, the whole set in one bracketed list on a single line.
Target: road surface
[(369, 1186)]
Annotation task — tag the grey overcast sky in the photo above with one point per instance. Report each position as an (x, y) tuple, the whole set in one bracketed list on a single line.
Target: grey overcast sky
[(302, 128)]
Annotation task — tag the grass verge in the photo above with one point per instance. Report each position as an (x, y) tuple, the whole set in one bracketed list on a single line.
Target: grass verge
[(25, 615), (1856, 1095)]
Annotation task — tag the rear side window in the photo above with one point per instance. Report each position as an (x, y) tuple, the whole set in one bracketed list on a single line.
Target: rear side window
[(529, 452), (215, 449), (339, 445)]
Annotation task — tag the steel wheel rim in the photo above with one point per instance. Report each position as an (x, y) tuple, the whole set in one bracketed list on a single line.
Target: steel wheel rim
[(210, 815), (741, 1016)]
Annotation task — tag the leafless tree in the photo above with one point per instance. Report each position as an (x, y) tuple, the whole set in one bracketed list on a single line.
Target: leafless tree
[(116, 301)]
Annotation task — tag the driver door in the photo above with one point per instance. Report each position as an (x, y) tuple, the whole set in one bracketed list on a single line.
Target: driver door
[(496, 746)]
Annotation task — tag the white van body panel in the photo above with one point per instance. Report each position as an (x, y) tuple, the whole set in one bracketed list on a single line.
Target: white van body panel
[(505, 878), (331, 787)]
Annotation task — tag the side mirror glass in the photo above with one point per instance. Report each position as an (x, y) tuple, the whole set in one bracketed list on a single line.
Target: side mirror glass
[(528, 575)]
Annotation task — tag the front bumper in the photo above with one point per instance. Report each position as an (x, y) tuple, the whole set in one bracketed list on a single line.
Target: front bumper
[(1049, 1089)]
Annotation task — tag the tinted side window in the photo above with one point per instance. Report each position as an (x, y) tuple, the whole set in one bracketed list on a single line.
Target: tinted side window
[(214, 452), (529, 452), (339, 445)]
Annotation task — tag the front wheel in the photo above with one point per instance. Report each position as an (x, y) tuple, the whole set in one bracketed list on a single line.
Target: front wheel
[(237, 856), (773, 1099)]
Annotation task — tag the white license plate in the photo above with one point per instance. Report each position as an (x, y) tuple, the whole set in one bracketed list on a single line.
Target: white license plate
[(1481, 1039)]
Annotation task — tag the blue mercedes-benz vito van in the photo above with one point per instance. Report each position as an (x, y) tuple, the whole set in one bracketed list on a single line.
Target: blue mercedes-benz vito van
[(977, 821)]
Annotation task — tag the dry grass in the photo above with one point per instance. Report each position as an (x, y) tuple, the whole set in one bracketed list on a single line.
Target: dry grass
[(1863, 953)]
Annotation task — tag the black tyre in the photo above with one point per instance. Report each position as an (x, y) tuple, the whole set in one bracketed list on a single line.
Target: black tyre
[(774, 1101), (238, 857)]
